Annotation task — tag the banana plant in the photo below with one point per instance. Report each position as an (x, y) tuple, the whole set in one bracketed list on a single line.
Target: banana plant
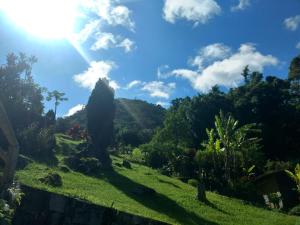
[(295, 176)]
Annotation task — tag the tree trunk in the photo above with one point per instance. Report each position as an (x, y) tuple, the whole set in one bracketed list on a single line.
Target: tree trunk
[(10, 155), (201, 195)]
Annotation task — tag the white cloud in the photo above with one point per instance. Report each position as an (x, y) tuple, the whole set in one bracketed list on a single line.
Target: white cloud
[(163, 104), (97, 69), (159, 89), (120, 15), (114, 84), (108, 40), (298, 45), (242, 5), (75, 109), (104, 41), (134, 83), (210, 53), (110, 11), (126, 44), (292, 23), (197, 11), (88, 30), (227, 72), (162, 71), (99, 13)]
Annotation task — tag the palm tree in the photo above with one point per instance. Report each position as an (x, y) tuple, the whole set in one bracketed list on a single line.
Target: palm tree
[(58, 98)]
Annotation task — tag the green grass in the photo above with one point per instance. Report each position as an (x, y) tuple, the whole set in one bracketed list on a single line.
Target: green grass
[(174, 202)]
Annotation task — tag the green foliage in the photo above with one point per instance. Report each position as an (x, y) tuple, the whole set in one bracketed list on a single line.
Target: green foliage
[(100, 116), (20, 95), (58, 98), (295, 176), (193, 182), (294, 70), (6, 213), (52, 179), (295, 211), (137, 156), (277, 165), (85, 165), (8, 206), (38, 142)]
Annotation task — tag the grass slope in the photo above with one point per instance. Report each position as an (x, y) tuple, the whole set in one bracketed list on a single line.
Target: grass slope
[(174, 202)]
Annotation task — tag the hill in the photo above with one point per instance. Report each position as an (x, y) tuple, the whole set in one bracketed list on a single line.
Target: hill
[(174, 201), (135, 121), (130, 114)]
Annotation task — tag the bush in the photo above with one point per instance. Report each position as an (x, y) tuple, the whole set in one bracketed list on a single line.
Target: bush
[(86, 165), (37, 142), (137, 156), (126, 164), (52, 179), (295, 211), (193, 182)]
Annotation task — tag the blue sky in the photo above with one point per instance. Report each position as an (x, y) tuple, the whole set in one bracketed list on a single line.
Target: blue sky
[(154, 50)]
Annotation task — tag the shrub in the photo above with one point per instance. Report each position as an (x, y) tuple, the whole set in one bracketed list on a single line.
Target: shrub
[(86, 165), (52, 179), (193, 182), (89, 165), (37, 142), (126, 164), (137, 155), (295, 211)]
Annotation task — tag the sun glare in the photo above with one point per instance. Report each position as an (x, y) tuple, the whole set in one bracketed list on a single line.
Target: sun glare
[(53, 19)]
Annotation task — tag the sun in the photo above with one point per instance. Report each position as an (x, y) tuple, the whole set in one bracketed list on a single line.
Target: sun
[(53, 19)]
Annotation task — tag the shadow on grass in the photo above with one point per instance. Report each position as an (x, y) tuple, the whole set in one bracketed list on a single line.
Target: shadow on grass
[(169, 183), (156, 202), (212, 205)]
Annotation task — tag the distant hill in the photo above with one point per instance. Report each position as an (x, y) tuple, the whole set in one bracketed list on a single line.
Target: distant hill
[(133, 116)]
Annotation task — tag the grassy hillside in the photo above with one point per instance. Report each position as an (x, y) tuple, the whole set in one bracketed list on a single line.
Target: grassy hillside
[(174, 202)]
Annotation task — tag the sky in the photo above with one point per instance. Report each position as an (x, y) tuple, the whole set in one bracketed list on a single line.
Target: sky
[(155, 50)]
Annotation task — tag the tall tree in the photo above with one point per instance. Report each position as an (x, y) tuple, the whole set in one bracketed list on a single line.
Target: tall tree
[(58, 98), (294, 70), (100, 115), (10, 154)]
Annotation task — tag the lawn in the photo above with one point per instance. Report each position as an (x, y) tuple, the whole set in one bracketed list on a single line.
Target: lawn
[(174, 201)]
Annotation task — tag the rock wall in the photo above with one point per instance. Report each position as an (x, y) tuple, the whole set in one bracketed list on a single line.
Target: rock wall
[(44, 208)]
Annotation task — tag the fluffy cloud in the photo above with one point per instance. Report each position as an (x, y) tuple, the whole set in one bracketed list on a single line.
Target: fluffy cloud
[(110, 12), (108, 40), (104, 41), (242, 5), (133, 84), (227, 72), (210, 53), (292, 23), (159, 89), (96, 70), (298, 45), (75, 109), (126, 44), (197, 11), (162, 71)]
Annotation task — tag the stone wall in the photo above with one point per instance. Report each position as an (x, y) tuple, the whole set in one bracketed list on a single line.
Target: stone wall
[(44, 208)]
